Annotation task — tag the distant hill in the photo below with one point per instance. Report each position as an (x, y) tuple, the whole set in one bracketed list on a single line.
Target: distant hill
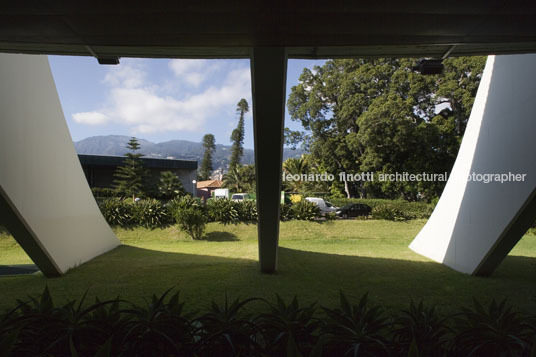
[(176, 149)]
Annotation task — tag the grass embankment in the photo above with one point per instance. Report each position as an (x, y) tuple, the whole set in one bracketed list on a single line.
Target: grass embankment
[(315, 261)]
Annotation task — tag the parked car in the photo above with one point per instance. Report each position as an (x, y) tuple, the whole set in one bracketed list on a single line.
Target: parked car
[(240, 196), (354, 210), (325, 206)]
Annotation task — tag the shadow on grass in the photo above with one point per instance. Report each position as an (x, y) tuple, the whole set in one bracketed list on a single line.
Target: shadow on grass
[(220, 237), (3, 230), (136, 273)]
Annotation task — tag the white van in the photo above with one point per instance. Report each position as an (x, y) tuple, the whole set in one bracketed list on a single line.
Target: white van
[(240, 197), (325, 206)]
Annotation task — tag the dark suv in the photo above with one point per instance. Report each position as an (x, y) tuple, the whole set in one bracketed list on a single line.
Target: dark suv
[(354, 210)]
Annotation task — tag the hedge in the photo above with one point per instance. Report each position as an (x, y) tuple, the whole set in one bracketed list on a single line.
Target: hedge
[(411, 210), (164, 327)]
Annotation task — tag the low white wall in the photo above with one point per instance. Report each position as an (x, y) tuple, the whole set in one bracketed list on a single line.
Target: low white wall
[(39, 169)]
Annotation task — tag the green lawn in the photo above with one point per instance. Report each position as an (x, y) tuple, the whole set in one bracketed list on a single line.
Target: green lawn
[(315, 261)]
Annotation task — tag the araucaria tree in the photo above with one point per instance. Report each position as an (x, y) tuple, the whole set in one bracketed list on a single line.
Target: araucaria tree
[(237, 136), (170, 186), (131, 175), (209, 143)]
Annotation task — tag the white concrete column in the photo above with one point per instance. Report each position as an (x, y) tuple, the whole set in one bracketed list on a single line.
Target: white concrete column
[(45, 201), (476, 223)]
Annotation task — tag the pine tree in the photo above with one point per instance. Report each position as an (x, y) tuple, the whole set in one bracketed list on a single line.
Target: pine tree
[(130, 176), (237, 136), (209, 143), (170, 186)]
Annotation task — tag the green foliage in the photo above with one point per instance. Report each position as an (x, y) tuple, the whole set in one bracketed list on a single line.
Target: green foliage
[(224, 211), (247, 211), (285, 212), (240, 178), (305, 211), (170, 186), (103, 192), (378, 115), (227, 331), (289, 329), (389, 212), (151, 213), (352, 330), (412, 210), (117, 211), (237, 136), (131, 175), (209, 144), (163, 326), (498, 330), (422, 329), (191, 216)]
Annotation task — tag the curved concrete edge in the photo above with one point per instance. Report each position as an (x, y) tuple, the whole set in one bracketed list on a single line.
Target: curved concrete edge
[(45, 200), (475, 224)]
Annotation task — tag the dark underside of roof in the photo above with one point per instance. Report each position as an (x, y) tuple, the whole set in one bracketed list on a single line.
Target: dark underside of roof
[(229, 29)]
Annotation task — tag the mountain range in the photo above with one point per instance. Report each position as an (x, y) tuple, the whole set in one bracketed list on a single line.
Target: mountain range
[(115, 145)]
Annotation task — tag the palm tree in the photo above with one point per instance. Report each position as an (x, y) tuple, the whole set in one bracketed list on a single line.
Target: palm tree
[(240, 178), (296, 166)]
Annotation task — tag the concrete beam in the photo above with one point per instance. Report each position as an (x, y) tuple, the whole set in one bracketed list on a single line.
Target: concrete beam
[(477, 221), (45, 201), (268, 81)]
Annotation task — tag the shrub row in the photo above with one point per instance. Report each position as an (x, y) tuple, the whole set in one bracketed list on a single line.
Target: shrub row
[(406, 209), (152, 213), (163, 327)]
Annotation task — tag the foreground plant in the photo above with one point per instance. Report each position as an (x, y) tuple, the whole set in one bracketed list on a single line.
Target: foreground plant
[(289, 329), (498, 330), (420, 330), (352, 330), (225, 331)]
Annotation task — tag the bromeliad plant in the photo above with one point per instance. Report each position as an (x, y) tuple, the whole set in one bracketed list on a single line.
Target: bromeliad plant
[(226, 331), (421, 331), (353, 330), (289, 329), (163, 327), (499, 330)]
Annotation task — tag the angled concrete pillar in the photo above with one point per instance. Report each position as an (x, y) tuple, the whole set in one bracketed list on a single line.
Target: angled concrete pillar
[(268, 77), (45, 201), (476, 224)]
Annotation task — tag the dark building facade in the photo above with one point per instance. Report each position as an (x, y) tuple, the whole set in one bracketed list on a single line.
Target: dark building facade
[(100, 169)]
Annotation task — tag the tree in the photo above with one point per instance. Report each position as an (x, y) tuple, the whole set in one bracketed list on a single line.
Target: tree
[(130, 176), (209, 143), (237, 136), (240, 178), (170, 186), (295, 166), (379, 115)]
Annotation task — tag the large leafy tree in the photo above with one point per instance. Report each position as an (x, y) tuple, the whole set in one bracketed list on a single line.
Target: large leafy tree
[(209, 144), (130, 176), (237, 136), (379, 115)]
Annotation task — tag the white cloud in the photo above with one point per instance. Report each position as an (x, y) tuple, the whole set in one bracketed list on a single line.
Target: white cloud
[(127, 75), (139, 104), (193, 71), (91, 118)]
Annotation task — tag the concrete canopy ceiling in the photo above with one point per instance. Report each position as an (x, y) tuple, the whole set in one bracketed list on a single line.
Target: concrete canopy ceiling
[(229, 29)]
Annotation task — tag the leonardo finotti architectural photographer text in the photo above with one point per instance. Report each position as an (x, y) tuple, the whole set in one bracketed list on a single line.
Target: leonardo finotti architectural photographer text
[(402, 176)]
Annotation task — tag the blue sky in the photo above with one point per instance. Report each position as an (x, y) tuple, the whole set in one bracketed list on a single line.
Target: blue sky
[(159, 99)]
